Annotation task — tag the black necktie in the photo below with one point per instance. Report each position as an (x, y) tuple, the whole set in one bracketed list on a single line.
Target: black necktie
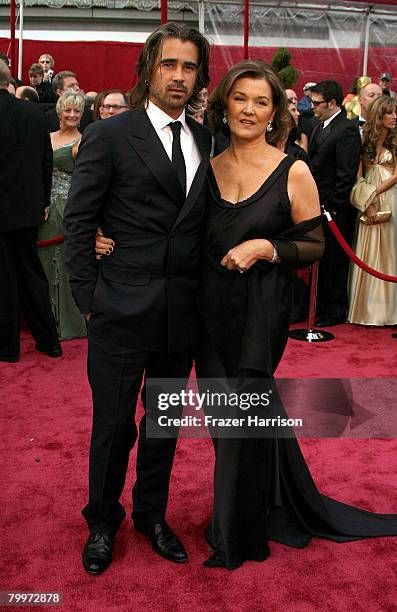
[(361, 122), (178, 161), (321, 126)]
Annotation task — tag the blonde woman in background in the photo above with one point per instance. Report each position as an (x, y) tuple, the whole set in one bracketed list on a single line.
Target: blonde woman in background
[(65, 143)]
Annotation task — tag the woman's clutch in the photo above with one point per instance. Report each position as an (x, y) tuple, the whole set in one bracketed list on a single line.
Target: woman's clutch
[(381, 217)]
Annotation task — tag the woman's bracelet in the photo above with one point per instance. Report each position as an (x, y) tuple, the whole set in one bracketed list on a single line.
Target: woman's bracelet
[(275, 258)]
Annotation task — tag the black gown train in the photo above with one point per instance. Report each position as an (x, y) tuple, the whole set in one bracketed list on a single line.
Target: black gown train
[(263, 489)]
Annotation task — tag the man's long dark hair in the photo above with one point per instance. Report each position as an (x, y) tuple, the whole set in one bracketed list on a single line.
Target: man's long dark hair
[(146, 64)]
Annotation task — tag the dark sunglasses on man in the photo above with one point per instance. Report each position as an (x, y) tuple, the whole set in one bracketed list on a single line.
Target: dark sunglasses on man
[(316, 103)]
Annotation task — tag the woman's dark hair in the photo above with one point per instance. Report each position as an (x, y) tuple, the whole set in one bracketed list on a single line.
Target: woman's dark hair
[(254, 69), (295, 130), (372, 130), (148, 57), (98, 101)]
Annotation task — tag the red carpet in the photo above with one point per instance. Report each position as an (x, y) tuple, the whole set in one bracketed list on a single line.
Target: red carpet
[(45, 421)]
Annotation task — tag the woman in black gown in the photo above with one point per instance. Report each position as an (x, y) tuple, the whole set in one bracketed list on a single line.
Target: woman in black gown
[(263, 218)]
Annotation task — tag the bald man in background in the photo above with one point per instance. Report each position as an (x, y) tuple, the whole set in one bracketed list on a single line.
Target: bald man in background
[(25, 92), (366, 96)]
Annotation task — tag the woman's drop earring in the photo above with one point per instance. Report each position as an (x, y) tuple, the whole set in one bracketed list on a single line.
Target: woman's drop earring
[(224, 119), (269, 127)]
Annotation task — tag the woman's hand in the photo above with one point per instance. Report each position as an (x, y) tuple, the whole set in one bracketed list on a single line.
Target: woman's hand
[(246, 254), (103, 246), (371, 213)]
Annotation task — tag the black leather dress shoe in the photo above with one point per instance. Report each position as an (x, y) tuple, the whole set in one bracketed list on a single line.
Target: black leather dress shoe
[(52, 351), (98, 552), (328, 322), (215, 560), (9, 358), (164, 541)]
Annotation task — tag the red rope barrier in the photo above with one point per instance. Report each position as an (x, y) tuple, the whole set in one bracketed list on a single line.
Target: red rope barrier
[(361, 264), (45, 243)]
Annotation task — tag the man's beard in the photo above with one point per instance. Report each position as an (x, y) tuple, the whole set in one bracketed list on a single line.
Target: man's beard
[(166, 99)]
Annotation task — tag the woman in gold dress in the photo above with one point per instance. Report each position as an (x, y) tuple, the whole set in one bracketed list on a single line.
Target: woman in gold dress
[(374, 301)]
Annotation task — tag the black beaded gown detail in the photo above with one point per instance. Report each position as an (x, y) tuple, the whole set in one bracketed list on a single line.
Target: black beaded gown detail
[(263, 489)]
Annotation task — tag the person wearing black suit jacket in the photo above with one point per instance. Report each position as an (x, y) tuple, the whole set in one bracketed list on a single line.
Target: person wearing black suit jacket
[(140, 177), (334, 152), (25, 185)]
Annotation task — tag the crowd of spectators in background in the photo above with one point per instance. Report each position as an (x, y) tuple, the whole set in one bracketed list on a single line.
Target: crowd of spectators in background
[(342, 138)]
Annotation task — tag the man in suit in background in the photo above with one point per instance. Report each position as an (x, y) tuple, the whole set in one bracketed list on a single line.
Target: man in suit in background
[(366, 95), (334, 152), (66, 81), (140, 177), (27, 93), (385, 80), (25, 186)]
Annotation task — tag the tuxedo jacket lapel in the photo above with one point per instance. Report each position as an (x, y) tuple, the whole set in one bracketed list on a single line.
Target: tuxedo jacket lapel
[(319, 136), (314, 138), (143, 138), (323, 134)]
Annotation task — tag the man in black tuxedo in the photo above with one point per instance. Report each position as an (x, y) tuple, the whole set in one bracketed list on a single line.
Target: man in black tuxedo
[(334, 151), (25, 186), (140, 177)]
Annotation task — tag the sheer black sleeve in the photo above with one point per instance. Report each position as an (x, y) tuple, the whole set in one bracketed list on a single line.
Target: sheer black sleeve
[(301, 244)]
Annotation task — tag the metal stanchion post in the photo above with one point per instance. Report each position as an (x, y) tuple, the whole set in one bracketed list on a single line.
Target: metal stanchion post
[(311, 334)]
